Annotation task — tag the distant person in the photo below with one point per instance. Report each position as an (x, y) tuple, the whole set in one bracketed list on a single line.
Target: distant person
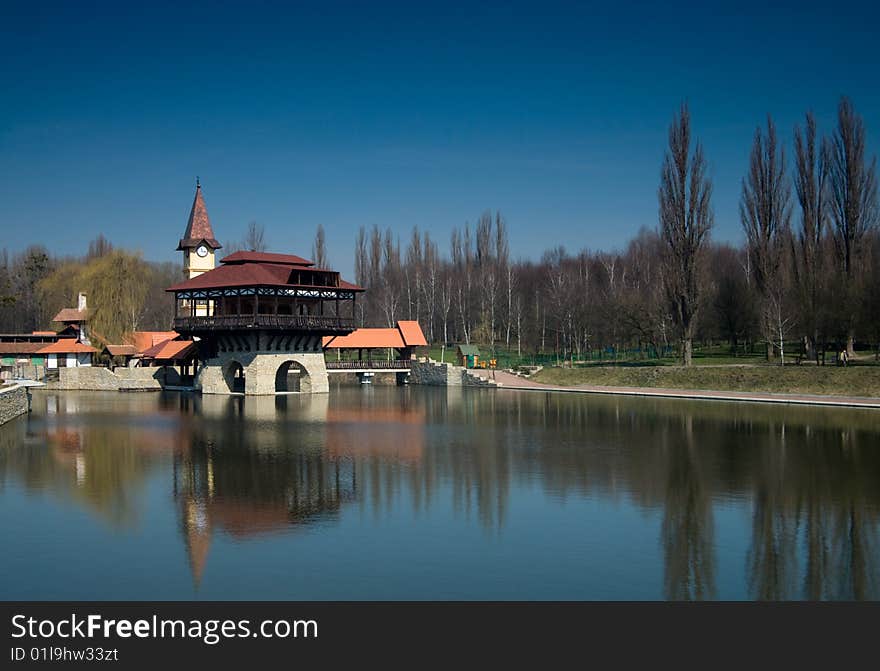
[(844, 357)]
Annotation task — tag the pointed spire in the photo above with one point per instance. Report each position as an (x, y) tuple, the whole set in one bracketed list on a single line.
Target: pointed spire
[(198, 227)]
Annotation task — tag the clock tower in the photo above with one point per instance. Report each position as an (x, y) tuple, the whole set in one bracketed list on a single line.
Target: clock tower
[(198, 243)]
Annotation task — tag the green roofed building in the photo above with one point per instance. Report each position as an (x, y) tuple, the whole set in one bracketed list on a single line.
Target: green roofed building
[(468, 355)]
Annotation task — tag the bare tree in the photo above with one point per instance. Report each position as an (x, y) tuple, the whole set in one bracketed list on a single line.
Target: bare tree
[(811, 185), (319, 248), (255, 238), (361, 271), (854, 199), (685, 222), (765, 213)]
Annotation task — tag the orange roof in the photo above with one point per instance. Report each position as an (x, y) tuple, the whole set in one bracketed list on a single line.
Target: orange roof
[(170, 349), (67, 346), (48, 333), (144, 340), (405, 334), (71, 315), (366, 339), (412, 334)]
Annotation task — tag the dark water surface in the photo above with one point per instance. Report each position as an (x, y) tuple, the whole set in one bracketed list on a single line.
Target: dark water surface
[(421, 493)]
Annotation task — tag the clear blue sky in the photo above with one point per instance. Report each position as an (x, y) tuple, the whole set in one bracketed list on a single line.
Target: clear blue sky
[(399, 115)]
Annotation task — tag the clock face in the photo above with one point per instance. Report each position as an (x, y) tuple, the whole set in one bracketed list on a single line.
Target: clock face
[(202, 251)]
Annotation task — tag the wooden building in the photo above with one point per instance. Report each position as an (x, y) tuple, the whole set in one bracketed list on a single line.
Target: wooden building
[(258, 316)]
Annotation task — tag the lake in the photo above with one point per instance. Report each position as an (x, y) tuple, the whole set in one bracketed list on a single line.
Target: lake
[(433, 493)]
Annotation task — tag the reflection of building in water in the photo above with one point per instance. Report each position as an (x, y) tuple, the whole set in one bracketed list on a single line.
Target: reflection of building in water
[(391, 432), (245, 492)]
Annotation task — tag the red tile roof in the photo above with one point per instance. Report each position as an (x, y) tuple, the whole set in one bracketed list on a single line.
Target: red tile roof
[(170, 350), (267, 257), (71, 315), (412, 334), (144, 340), (198, 227), (405, 334), (365, 339), (248, 270), (44, 333), (67, 346)]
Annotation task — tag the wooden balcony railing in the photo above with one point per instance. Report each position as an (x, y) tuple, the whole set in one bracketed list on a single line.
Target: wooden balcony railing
[(274, 322), (368, 365)]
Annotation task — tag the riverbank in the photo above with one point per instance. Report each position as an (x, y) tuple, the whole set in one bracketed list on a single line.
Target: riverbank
[(510, 381), (852, 381), (13, 402)]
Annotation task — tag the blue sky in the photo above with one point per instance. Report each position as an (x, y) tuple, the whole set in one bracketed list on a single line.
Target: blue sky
[(397, 114)]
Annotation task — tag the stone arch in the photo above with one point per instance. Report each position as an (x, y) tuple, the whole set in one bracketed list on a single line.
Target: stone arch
[(233, 375), (292, 376)]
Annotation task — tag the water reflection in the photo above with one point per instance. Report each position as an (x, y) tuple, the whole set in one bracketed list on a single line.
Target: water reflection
[(250, 470)]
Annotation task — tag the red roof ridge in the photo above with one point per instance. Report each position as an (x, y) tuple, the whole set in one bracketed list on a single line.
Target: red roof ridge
[(267, 257), (64, 346)]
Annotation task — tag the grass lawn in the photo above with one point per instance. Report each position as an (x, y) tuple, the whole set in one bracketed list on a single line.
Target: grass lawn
[(854, 380)]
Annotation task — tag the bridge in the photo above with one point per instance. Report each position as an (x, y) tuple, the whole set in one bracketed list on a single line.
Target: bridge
[(396, 366)]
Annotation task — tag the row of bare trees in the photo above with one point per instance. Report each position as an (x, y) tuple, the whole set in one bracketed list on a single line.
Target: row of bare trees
[(808, 271)]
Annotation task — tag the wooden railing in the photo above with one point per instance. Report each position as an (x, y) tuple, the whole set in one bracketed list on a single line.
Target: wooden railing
[(368, 365), (250, 321)]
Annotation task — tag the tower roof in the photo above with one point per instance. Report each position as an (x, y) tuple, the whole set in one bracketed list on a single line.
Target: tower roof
[(198, 228)]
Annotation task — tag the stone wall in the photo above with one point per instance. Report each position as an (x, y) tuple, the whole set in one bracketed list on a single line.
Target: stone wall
[(147, 377), (96, 378), (13, 402), (91, 378), (435, 374), (260, 369), (438, 374)]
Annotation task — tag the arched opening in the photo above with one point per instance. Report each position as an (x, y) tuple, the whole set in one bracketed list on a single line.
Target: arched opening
[(233, 373), (292, 376)]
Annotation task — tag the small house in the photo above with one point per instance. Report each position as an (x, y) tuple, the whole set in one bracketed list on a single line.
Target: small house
[(67, 353), (120, 355), (467, 355)]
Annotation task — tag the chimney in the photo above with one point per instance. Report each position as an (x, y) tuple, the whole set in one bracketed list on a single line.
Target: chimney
[(81, 301)]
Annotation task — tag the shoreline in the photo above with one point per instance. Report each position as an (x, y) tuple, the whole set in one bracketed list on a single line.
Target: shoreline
[(510, 381)]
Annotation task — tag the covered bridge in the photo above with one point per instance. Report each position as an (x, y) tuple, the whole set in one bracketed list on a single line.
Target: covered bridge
[(375, 348)]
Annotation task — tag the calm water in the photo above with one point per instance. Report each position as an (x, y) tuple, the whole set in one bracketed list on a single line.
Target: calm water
[(420, 493)]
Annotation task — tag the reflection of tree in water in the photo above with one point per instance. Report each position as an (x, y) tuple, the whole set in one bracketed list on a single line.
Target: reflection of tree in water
[(855, 523), (100, 466), (815, 517), (251, 466), (772, 557), (688, 527)]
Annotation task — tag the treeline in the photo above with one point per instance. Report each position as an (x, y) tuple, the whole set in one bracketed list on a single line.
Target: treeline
[(808, 271), (125, 293)]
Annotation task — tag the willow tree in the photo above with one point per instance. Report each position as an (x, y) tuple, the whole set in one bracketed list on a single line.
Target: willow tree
[(765, 214), (117, 292), (685, 222)]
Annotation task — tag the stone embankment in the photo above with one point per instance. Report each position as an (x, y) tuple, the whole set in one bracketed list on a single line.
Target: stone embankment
[(434, 373), (13, 402), (95, 378)]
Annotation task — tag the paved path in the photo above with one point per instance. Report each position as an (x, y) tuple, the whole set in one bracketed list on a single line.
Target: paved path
[(511, 381)]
